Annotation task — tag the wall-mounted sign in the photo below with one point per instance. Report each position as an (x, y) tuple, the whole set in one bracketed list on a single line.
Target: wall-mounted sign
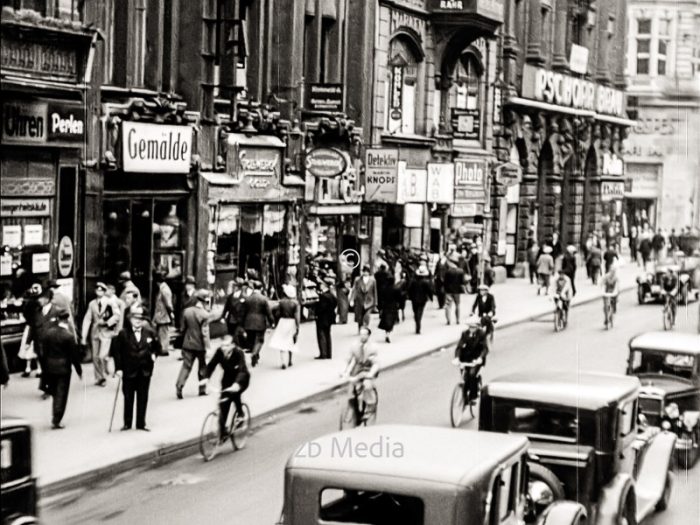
[(491, 9), (64, 259), (413, 215), (325, 162), (612, 190), (324, 97), (642, 181), (612, 165), (12, 235), (381, 174), (41, 263), (470, 177), (156, 148), (66, 123), (412, 184), (441, 182), (466, 123), (564, 90), (396, 92), (25, 207), (578, 59), (23, 122), (33, 234), (39, 59)]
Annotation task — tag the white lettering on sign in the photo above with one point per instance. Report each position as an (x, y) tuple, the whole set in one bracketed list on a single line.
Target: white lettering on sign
[(258, 166), (396, 87), (469, 173), (156, 148), (256, 183), (451, 4), (69, 126), (612, 190), (612, 164), (381, 174)]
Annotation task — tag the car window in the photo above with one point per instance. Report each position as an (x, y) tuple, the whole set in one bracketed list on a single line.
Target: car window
[(370, 508), (627, 417), (681, 365), (544, 422), (504, 495)]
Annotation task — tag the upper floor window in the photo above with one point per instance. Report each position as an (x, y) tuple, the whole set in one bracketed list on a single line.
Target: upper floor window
[(643, 41), (651, 46), (663, 46), (695, 64), (63, 9), (403, 73)]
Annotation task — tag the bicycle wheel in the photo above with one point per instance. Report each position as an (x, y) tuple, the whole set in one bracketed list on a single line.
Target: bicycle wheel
[(371, 418), (240, 428), (457, 406), (209, 438), (348, 416)]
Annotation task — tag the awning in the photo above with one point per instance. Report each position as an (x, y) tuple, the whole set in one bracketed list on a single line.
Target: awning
[(260, 141), (517, 101), (218, 178), (616, 120)]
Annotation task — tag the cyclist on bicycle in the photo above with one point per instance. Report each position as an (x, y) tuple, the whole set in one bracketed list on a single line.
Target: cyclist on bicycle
[(485, 305), (235, 380), (611, 285), (670, 287), (564, 291), (473, 349), (363, 367)]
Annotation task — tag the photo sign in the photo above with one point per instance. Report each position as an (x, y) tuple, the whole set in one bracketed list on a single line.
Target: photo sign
[(156, 148), (470, 176), (381, 175)]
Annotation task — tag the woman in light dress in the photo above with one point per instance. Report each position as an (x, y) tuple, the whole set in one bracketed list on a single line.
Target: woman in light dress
[(286, 332)]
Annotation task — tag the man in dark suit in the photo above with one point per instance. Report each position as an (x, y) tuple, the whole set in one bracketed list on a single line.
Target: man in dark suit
[(364, 297), (454, 288), (420, 291), (60, 351), (44, 319), (134, 351), (257, 316), (232, 313), (195, 343), (325, 318)]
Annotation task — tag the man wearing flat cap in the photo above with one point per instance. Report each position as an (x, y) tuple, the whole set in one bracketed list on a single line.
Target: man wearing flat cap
[(60, 352), (100, 325), (195, 343), (134, 351)]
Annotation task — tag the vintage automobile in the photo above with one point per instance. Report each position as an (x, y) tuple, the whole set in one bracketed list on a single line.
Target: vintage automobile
[(413, 475), (668, 365), (17, 481), (585, 442), (649, 286)]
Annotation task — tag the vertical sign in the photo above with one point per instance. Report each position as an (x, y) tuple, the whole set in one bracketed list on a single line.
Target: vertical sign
[(381, 175), (396, 92), (441, 182)]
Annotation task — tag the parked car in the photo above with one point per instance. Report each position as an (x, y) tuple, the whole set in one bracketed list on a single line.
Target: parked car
[(414, 475), (668, 365), (650, 285), (585, 442), (17, 480)]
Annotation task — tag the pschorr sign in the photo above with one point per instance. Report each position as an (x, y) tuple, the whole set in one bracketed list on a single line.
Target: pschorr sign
[(156, 148)]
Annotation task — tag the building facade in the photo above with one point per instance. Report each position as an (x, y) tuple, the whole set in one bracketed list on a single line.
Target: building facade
[(663, 160), (564, 120)]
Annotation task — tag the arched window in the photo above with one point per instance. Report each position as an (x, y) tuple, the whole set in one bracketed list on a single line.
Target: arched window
[(403, 75), (465, 96)]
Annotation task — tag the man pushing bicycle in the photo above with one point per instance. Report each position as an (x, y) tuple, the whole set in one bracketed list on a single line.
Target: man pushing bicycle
[(471, 352)]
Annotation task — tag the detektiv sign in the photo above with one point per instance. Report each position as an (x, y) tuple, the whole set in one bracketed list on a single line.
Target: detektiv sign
[(564, 90), (156, 148)]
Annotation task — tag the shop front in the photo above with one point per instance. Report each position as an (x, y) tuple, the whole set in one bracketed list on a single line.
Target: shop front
[(42, 148), (147, 208), (252, 217), (641, 194)]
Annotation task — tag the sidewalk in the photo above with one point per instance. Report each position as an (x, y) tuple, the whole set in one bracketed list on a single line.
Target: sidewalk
[(85, 451)]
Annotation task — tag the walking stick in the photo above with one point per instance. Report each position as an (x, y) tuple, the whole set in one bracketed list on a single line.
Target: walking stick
[(114, 406)]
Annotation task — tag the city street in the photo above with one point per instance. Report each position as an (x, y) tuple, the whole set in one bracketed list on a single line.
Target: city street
[(246, 486)]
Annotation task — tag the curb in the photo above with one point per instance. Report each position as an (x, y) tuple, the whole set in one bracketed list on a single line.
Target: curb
[(173, 452)]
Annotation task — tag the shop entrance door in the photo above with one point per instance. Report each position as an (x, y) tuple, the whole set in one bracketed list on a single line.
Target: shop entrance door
[(142, 245)]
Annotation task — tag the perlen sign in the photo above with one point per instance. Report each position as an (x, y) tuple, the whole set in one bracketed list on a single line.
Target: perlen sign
[(156, 148), (381, 174)]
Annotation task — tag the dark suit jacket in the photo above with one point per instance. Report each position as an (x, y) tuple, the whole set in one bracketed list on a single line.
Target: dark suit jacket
[(257, 315), (454, 280), (60, 351), (484, 306), (364, 296), (233, 309), (42, 323), (195, 326), (568, 265), (325, 309), (234, 367), (420, 291), (134, 357)]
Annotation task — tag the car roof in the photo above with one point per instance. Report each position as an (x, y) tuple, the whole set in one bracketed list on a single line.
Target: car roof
[(586, 390), (442, 455), (676, 342), (12, 422)]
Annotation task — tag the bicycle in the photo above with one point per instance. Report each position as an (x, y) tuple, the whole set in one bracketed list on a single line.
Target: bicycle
[(608, 310), (355, 412), (458, 403), (210, 440), (561, 316), (669, 313)]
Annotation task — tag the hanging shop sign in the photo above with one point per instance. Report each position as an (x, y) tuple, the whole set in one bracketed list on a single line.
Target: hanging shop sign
[(441, 182), (66, 123), (564, 90), (324, 97), (64, 260), (156, 148), (25, 207), (466, 123), (412, 184), (381, 175), (325, 162), (578, 59), (612, 190)]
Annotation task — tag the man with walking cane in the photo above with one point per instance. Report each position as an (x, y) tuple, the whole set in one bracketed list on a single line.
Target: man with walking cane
[(135, 350)]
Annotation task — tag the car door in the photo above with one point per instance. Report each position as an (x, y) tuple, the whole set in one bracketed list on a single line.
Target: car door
[(505, 501)]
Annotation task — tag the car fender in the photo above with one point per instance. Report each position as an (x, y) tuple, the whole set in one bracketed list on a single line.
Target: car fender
[(563, 513), (652, 471), (613, 498)]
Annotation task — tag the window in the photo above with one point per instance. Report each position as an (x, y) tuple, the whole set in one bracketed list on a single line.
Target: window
[(403, 74), (643, 45), (695, 61), (370, 508), (627, 414), (465, 97), (663, 46)]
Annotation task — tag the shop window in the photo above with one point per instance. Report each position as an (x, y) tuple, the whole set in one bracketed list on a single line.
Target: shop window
[(403, 80)]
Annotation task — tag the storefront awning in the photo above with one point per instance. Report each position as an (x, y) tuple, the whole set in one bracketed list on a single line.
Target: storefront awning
[(259, 141), (517, 101), (616, 120)]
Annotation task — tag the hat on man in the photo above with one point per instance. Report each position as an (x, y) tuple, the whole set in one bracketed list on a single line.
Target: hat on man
[(422, 271), (190, 280), (61, 313), (483, 287), (102, 286), (138, 311), (202, 295), (124, 276), (52, 284), (239, 281)]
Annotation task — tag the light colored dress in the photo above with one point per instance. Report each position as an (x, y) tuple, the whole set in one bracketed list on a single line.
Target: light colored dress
[(283, 337)]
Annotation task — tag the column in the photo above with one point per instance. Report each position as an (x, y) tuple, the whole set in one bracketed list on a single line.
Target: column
[(559, 58), (534, 33), (602, 72)]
